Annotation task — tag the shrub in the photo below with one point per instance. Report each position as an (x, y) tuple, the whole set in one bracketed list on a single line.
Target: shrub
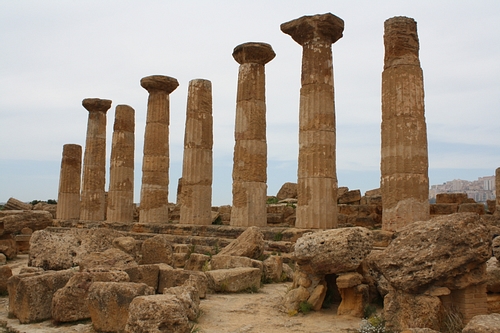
[(305, 307)]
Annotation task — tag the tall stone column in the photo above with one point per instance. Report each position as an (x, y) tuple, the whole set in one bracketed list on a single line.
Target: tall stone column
[(196, 187), (497, 191), (250, 149), (404, 158), (93, 201), (121, 170), (317, 174), (68, 199), (155, 163)]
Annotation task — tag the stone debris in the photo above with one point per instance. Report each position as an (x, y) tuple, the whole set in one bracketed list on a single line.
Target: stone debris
[(234, 279), (249, 244), (483, 324)]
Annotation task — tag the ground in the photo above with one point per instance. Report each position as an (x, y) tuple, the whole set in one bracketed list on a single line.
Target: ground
[(220, 313)]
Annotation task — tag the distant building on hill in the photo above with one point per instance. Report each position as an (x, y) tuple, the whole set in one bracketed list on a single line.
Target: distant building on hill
[(480, 190)]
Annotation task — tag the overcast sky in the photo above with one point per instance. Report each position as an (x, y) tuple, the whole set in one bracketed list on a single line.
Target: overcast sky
[(56, 53)]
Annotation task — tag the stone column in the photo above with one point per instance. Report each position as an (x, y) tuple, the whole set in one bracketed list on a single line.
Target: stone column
[(196, 182), (155, 164), (250, 149), (68, 199), (404, 158), (317, 174), (497, 191), (94, 162), (121, 170)]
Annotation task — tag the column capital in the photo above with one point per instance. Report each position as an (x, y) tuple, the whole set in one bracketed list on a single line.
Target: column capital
[(96, 104), (401, 42), (159, 83), (326, 27), (253, 52)]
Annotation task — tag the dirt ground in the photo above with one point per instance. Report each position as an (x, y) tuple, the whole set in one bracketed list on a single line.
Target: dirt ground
[(259, 312)]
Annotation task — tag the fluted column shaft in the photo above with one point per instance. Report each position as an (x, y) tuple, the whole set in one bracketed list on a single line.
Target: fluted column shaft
[(250, 149), (120, 206), (317, 175), (196, 189), (404, 156), (68, 200), (93, 201), (155, 164)]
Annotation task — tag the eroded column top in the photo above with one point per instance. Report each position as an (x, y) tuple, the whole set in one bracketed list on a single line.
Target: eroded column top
[(401, 42), (326, 27), (96, 104), (253, 52), (159, 83)]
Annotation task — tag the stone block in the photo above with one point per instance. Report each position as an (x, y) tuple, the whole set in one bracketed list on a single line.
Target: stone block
[(443, 208), (197, 262), (273, 267), (350, 197), (147, 274), (477, 208), (448, 198), (287, 190), (354, 300), (227, 262), (234, 279), (109, 303), (177, 277), (5, 274), (156, 250)]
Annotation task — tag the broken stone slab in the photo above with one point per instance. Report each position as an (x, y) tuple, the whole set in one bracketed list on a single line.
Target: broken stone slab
[(129, 245), (333, 251), (147, 274), (483, 324), (5, 274), (293, 298), (318, 296), (493, 275), (350, 197), (234, 280), (8, 247), (249, 244), (437, 252), (111, 259), (168, 315), (451, 198), (287, 191), (189, 297), (477, 208), (33, 219), (70, 302), (109, 303), (273, 268), (157, 250), (197, 262), (227, 261), (177, 277), (30, 295)]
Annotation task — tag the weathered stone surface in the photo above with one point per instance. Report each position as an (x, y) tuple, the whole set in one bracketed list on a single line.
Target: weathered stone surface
[(197, 262), (439, 251), (111, 259), (333, 251), (402, 311), (382, 238), (483, 324), (14, 204), (293, 298), (249, 244), (109, 303), (234, 279), (189, 297), (496, 247), (147, 274), (227, 261), (168, 315), (5, 274), (3, 259), (8, 246), (68, 199), (53, 251), (273, 267), (70, 302), (477, 208), (33, 219), (348, 280), (157, 250), (317, 296), (354, 300), (443, 209), (30, 295), (169, 278), (451, 198), (350, 197), (287, 190), (493, 275), (128, 245)]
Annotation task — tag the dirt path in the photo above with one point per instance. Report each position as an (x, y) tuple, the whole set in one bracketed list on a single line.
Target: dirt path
[(220, 313)]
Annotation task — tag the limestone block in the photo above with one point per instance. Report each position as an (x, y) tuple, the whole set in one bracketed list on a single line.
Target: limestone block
[(109, 303), (33, 219), (496, 247), (249, 244), (3, 259), (449, 198), (333, 251), (177, 277), (443, 208), (317, 296), (5, 274), (168, 315), (111, 259), (129, 245), (493, 303), (477, 208), (402, 311), (8, 246), (147, 274), (493, 275), (53, 251), (197, 262), (189, 297), (70, 302), (287, 190), (350, 197), (349, 280), (483, 324), (234, 279), (156, 250), (226, 261), (341, 191), (348, 209), (288, 271), (14, 204), (179, 259), (294, 297), (273, 267), (354, 300), (382, 238), (30, 295), (491, 205), (442, 249), (377, 192)]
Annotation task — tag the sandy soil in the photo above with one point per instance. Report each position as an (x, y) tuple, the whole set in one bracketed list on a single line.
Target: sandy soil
[(220, 313)]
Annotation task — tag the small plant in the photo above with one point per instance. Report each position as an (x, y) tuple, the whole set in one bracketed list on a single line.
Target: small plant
[(452, 320), (192, 249), (223, 286), (278, 236), (305, 307), (206, 266), (374, 324), (195, 329), (216, 248), (289, 204), (272, 200), (369, 311), (283, 277)]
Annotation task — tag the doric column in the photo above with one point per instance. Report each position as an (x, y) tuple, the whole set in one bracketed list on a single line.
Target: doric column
[(155, 164), (404, 158), (250, 149), (317, 174), (93, 202), (196, 182), (68, 199), (121, 170), (497, 191)]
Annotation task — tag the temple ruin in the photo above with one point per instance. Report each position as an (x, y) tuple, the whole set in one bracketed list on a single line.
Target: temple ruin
[(68, 197)]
